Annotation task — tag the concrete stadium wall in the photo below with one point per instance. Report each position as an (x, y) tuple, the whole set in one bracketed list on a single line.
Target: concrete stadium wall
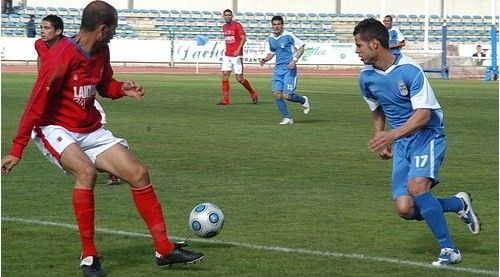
[(458, 7)]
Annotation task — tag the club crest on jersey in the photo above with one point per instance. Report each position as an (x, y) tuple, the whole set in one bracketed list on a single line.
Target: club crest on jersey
[(75, 77), (282, 45), (402, 88)]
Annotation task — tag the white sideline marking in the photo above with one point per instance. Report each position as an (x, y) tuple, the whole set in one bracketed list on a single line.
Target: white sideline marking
[(269, 248)]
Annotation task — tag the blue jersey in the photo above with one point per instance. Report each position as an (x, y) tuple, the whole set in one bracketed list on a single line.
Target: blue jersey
[(283, 47), (395, 36), (399, 91)]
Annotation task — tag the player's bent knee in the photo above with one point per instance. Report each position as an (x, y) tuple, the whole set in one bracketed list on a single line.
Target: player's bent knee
[(85, 176), (139, 177), (404, 214)]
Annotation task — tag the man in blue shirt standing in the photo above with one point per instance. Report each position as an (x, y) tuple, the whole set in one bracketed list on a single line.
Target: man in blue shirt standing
[(288, 49), (396, 88), (396, 38), (30, 27)]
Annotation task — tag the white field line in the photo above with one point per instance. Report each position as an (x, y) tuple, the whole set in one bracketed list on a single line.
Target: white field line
[(266, 248)]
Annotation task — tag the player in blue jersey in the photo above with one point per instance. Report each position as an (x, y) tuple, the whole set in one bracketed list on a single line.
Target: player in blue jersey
[(287, 48), (396, 89), (396, 38)]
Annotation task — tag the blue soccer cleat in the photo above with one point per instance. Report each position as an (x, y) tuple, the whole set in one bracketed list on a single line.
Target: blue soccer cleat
[(447, 257), (467, 215)]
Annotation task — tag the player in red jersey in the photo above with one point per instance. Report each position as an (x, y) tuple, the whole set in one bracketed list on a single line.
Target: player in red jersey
[(51, 29), (235, 38), (70, 134)]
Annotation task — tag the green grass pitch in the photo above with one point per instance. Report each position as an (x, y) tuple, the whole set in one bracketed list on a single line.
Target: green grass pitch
[(307, 199)]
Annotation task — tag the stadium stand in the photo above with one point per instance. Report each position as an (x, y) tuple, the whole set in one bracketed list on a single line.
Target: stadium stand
[(185, 24)]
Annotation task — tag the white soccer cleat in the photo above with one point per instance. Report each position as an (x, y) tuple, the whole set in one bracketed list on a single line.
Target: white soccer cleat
[(306, 105), (467, 215), (286, 121), (447, 257)]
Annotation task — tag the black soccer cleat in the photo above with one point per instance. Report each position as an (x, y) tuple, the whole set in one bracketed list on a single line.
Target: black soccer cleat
[(91, 267), (178, 256), (255, 100)]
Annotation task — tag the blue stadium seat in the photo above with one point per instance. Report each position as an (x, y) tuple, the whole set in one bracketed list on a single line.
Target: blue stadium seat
[(455, 18), (260, 16), (217, 14), (312, 16), (18, 33), (206, 14), (323, 17), (62, 11), (302, 16), (7, 33), (153, 13), (158, 21), (477, 19), (29, 10), (5, 18), (73, 11), (51, 10), (40, 11), (402, 18), (466, 18), (175, 14), (13, 18), (269, 15), (413, 18), (434, 18), (239, 15), (195, 14), (249, 16), (164, 13), (125, 12)]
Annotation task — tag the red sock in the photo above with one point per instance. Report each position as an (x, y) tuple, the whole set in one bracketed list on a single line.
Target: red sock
[(83, 204), (150, 209), (225, 91), (248, 87)]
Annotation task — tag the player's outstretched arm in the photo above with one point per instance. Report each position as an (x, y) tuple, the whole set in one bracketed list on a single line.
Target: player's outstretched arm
[(8, 163), (132, 89)]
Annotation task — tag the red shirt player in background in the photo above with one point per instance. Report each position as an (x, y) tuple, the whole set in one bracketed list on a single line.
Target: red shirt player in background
[(235, 38), (51, 29), (69, 132)]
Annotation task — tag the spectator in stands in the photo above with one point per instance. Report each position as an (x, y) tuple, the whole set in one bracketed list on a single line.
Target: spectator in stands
[(398, 92), (30, 27), (51, 32), (479, 56), (68, 130), (396, 38), (288, 49), (235, 38), (7, 6)]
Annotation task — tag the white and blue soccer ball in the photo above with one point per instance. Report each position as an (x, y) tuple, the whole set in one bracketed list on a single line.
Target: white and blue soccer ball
[(206, 220)]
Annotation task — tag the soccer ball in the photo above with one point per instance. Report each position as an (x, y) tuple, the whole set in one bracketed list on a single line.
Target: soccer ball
[(206, 220)]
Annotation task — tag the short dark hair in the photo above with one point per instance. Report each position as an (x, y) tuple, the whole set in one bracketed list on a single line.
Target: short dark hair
[(55, 20), (97, 13), (371, 28), (390, 16), (227, 10), (277, 17)]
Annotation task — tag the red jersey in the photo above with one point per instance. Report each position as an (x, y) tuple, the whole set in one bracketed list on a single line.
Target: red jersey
[(64, 91), (233, 31), (41, 47)]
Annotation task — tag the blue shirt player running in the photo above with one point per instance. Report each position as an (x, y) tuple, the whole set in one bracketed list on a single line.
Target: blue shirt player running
[(288, 49), (396, 89), (396, 38)]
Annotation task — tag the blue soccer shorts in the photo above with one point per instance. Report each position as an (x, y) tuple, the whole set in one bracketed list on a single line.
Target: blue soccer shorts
[(284, 81), (420, 155)]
